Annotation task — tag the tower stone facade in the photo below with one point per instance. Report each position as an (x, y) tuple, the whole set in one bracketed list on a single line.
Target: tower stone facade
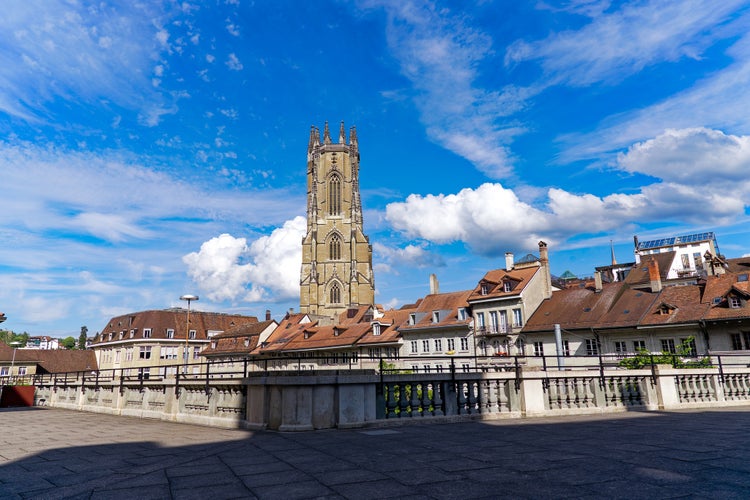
[(336, 255)]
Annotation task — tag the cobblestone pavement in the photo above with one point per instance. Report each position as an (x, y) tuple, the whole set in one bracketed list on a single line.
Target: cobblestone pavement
[(51, 453)]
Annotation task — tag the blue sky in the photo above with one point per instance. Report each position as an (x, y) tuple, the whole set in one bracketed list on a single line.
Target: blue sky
[(152, 149)]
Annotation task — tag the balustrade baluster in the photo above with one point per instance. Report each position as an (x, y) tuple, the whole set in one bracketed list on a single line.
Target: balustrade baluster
[(390, 401), (415, 406), (403, 401), (461, 390), (437, 399), (473, 402), (426, 400)]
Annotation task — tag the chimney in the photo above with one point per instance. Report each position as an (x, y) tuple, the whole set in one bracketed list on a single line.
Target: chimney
[(598, 281), (654, 276), (544, 259), (434, 285), (268, 315), (508, 261)]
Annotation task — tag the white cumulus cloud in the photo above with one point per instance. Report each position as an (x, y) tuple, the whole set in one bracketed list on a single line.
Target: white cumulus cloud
[(226, 268)]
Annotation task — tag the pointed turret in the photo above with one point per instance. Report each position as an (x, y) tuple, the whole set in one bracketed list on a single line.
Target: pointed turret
[(311, 142), (353, 136), (342, 134), (326, 135)]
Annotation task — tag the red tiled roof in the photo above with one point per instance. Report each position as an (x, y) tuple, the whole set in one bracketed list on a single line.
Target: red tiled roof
[(495, 279)]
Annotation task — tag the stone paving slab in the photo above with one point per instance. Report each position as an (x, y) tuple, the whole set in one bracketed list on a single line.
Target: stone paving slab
[(52, 453)]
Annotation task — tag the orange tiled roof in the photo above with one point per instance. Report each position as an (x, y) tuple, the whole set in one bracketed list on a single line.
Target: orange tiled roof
[(495, 279)]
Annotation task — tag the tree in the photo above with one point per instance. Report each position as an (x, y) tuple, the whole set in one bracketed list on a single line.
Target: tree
[(82, 337), (68, 343), (9, 336)]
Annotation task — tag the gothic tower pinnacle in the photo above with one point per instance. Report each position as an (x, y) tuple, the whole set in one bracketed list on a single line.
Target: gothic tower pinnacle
[(336, 269)]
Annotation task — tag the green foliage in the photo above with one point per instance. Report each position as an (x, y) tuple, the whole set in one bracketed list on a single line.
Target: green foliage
[(9, 336), (68, 343), (685, 350), (82, 337)]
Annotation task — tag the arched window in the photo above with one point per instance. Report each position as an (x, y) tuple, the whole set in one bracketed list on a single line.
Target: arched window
[(335, 294), (334, 195), (334, 247)]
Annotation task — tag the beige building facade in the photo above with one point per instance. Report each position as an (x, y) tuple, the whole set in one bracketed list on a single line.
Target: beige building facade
[(336, 272)]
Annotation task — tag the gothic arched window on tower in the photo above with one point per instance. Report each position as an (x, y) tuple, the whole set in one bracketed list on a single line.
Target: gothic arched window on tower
[(334, 195), (334, 247), (335, 294)]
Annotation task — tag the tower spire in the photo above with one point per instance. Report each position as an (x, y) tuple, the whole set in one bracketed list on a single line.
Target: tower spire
[(342, 134)]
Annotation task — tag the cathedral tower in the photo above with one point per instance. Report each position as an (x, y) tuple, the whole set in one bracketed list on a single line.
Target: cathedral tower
[(336, 255)]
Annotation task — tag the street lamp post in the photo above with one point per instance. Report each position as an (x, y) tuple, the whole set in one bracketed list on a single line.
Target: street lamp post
[(189, 299)]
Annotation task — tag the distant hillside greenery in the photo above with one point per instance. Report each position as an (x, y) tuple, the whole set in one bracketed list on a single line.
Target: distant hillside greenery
[(9, 336)]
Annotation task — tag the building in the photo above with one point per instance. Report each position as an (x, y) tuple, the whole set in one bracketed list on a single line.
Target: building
[(336, 272), (42, 342), (27, 362), (438, 332), (147, 341), (503, 300), (691, 254)]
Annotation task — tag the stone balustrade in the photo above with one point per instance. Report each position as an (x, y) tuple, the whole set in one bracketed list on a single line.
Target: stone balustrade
[(296, 401)]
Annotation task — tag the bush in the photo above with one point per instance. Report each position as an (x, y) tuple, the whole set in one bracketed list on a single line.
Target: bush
[(685, 350)]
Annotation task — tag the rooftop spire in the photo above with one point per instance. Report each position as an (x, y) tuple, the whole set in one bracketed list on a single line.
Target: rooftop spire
[(353, 136), (612, 246), (342, 134)]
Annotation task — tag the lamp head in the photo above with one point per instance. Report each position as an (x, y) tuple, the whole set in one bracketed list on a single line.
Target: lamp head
[(189, 297)]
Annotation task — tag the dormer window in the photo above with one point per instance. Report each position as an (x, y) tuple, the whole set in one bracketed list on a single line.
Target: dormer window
[(146, 333), (717, 301), (484, 289), (734, 302), (507, 286), (247, 342), (376, 329), (412, 319), (665, 309), (461, 313), (436, 316), (336, 332), (213, 345), (191, 334), (170, 333)]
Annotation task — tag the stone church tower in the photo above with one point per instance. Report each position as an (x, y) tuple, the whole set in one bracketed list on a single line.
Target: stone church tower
[(336, 255)]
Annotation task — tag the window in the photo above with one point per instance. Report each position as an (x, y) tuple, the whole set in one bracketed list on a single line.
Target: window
[(436, 316), (493, 321), (736, 341), (334, 247), (439, 368), (461, 313), (451, 344), (507, 286), (146, 333), (484, 289), (335, 294), (22, 370), (376, 328), (503, 322), (698, 260), (667, 345), (538, 349), (145, 352), (4, 371), (692, 349), (464, 344), (566, 347), (170, 333), (620, 348), (191, 334), (374, 352), (132, 333), (425, 346), (480, 320), (746, 338), (414, 347), (438, 345), (685, 261), (143, 373), (592, 347), (639, 345), (427, 368), (334, 195), (521, 345), (196, 352), (117, 356), (734, 302), (517, 318), (465, 367), (412, 318)]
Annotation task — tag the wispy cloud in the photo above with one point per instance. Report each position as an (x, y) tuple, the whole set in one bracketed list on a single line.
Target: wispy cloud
[(438, 52), (617, 44)]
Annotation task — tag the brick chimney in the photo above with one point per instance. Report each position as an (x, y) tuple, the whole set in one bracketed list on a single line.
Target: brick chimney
[(654, 276), (598, 281), (544, 260), (268, 315), (509, 261), (434, 285)]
